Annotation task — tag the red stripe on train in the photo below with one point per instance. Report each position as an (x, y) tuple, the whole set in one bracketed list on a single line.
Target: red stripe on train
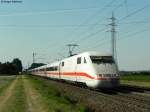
[(77, 74)]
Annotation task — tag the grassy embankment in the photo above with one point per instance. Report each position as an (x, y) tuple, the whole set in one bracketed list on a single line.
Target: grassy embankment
[(5, 81), (12, 97), (136, 80), (31, 94), (56, 100)]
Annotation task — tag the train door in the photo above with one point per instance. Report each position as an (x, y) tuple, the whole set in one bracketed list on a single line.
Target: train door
[(71, 69), (59, 70), (45, 72), (78, 68), (81, 69), (75, 72)]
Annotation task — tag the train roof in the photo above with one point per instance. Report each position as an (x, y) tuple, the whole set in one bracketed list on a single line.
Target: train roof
[(95, 53), (87, 53), (53, 64), (39, 67), (91, 53)]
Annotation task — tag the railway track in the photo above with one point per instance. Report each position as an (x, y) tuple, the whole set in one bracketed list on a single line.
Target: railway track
[(130, 88), (140, 103), (138, 95), (124, 98)]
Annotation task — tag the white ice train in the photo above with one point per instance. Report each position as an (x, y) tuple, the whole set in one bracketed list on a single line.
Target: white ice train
[(94, 69)]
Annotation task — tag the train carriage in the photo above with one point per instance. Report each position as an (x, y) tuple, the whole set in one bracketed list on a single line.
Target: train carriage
[(94, 69)]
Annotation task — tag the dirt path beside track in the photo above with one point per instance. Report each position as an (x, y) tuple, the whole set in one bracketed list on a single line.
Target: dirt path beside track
[(34, 99), (4, 97), (27, 93), (20, 96)]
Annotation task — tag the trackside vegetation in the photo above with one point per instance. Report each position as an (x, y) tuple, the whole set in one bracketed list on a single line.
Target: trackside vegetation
[(11, 68), (15, 98), (56, 100), (136, 79), (5, 81), (25, 93)]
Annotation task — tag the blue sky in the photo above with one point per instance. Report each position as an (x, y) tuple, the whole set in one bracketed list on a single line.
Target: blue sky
[(46, 26)]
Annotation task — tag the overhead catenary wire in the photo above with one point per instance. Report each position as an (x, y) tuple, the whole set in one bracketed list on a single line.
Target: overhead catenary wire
[(117, 7), (131, 35), (49, 26), (132, 22), (126, 6), (92, 34), (89, 36), (131, 14), (124, 37), (135, 33), (68, 26), (29, 13), (135, 22), (134, 12), (92, 17), (89, 19)]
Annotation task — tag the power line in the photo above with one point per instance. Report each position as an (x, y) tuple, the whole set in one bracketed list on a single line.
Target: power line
[(134, 12), (97, 23), (68, 26), (92, 17), (102, 39), (117, 7), (91, 35), (126, 6), (125, 37), (135, 33), (47, 12), (135, 22), (52, 26)]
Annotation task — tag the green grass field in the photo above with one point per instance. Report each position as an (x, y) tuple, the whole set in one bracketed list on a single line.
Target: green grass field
[(136, 80), (26, 93), (56, 100), (138, 77), (5, 81)]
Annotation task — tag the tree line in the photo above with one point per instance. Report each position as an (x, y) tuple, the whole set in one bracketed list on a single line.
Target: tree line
[(11, 68), (35, 65)]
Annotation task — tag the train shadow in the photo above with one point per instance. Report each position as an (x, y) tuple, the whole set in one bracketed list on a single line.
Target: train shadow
[(126, 89)]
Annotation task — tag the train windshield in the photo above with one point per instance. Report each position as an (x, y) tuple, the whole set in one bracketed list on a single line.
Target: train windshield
[(102, 59)]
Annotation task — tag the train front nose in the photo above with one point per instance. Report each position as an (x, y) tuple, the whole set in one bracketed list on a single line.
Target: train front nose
[(107, 83), (110, 83)]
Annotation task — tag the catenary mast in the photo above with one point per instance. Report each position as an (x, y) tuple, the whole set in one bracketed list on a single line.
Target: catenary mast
[(113, 37)]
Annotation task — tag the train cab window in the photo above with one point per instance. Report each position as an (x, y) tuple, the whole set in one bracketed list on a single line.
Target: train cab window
[(85, 60), (79, 60), (62, 64), (102, 59)]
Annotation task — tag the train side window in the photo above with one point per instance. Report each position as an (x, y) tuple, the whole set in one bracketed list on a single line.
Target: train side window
[(85, 60), (62, 64), (79, 60), (56, 68)]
